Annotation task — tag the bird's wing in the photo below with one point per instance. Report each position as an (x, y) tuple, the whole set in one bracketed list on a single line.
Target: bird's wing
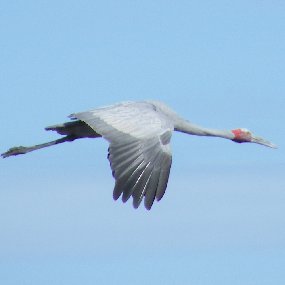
[(139, 151)]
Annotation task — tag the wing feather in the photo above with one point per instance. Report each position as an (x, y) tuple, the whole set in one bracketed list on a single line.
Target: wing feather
[(150, 192), (139, 151), (139, 183), (152, 185), (163, 178), (128, 180), (143, 182)]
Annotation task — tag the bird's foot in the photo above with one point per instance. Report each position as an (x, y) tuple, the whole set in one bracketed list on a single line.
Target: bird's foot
[(15, 151)]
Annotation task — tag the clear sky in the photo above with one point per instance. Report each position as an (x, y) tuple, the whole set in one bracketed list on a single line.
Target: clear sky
[(220, 64)]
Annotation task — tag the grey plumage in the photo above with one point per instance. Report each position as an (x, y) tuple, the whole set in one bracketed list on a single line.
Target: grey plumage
[(139, 135)]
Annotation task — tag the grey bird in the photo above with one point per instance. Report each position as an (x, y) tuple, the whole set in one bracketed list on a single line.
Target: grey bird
[(139, 135)]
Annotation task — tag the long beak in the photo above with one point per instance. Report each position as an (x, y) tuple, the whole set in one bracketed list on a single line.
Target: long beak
[(262, 141)]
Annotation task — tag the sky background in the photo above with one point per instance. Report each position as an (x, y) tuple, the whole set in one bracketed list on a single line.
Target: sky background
[(220, 64)]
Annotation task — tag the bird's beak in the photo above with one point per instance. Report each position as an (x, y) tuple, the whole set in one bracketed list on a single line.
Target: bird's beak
[(262, 141)]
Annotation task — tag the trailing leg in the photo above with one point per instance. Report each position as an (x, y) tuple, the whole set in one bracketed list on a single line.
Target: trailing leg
[(22, 149), (71, 131)]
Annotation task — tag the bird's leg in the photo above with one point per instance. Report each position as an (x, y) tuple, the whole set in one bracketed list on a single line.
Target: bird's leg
[(22, 149)]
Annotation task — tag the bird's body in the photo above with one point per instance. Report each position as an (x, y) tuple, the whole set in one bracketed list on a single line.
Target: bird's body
[(139, 135)]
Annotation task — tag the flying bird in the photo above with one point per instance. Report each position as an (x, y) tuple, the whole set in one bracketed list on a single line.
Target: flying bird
[(139, 152)]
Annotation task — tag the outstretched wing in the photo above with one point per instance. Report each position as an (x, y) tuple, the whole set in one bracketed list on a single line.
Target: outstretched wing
[(139, 151)]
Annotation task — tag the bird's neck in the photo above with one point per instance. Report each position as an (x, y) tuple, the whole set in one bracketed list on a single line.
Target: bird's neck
[(192, 129)]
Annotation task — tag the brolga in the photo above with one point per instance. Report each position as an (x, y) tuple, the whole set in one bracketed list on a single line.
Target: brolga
[(139, 135)]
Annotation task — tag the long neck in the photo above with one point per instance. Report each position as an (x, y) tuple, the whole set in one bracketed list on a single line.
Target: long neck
[(189, 128)]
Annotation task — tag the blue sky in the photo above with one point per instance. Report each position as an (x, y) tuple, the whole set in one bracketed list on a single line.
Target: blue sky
[(220, 64)]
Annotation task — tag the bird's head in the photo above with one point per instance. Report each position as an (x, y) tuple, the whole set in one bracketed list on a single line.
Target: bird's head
[(244, 135)]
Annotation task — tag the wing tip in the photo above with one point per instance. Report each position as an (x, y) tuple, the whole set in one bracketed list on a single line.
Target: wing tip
[(116, 195)]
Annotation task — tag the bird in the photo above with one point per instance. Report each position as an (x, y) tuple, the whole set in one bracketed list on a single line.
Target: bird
[(139, 135)]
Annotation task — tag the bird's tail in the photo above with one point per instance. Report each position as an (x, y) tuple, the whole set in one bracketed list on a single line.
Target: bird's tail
[(75, 128)]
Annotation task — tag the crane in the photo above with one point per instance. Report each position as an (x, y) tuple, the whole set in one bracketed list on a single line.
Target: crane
[(139, 152)]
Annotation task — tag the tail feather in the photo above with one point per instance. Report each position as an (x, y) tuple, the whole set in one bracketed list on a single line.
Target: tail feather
[(75, 128)]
